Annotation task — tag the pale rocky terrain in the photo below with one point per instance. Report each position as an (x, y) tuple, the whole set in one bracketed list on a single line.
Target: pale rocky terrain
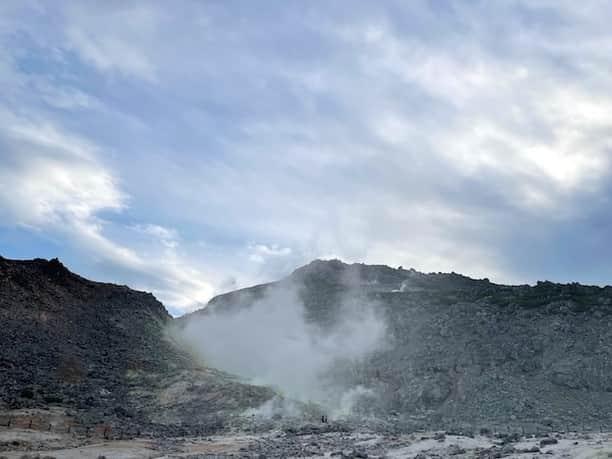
[(320, 444)]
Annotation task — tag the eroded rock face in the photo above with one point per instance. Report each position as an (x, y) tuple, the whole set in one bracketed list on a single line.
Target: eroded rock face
[(102, 351), (466, 350)]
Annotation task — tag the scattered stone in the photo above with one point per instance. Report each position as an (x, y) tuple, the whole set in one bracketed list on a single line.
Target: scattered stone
[(454, 450), (548, 441), (440, 436), (533, 449)]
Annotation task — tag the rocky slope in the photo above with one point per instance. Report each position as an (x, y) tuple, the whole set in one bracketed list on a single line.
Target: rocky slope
[(458, 351), (101, 351), (465, 351)]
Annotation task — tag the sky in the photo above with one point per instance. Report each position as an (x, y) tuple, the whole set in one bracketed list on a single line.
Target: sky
[(189, 148)]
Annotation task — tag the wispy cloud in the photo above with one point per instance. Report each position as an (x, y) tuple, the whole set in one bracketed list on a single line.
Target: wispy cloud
[(208, 146), (52, 182)]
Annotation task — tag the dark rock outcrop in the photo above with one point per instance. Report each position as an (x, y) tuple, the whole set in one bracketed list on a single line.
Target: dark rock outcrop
[(102, 351)]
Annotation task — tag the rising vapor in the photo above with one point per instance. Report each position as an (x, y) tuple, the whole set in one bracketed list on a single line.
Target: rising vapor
[(272, 343)]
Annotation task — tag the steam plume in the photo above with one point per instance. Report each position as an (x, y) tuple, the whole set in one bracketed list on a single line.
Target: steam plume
[(271, 343)]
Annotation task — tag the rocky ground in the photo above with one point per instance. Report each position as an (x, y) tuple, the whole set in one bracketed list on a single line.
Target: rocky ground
[(308, 442)]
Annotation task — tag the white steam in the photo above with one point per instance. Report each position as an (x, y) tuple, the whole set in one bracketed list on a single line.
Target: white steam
[(271, 343)]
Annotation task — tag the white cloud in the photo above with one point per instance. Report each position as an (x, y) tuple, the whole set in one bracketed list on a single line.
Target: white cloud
[(66, 98), (414, 138), (167, 236), (53, 182), (489, 102), (117, 39), (49, 177), (260, 252), (111, 53)]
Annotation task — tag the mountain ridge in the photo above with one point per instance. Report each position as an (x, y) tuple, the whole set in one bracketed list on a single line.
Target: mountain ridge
[(459, 349), (462, 349)]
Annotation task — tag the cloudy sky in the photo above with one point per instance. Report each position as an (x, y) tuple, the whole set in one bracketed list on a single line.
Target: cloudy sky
[(192, 147)]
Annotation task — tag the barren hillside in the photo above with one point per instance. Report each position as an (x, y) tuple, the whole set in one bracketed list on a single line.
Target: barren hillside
[(101, 352)]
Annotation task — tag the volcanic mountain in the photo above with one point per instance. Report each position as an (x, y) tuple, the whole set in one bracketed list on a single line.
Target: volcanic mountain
[(461, 350), (457, 350)]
